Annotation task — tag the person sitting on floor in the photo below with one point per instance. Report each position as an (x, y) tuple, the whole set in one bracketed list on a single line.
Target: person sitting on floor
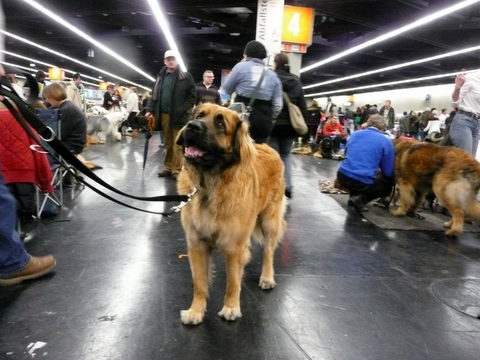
[(334, 130), (366, 152)]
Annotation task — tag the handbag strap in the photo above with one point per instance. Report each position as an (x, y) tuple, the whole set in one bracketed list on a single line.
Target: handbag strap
[(286, 98), (255, 92)]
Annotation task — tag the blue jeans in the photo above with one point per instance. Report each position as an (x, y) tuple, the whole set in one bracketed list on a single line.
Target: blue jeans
[(283, 146), (13, 256), (464, 133)]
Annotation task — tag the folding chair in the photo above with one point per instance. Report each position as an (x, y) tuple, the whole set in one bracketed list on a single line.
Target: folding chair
[(51, 118)]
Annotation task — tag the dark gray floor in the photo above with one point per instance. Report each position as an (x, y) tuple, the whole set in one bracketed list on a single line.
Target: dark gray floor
[(346, 289)]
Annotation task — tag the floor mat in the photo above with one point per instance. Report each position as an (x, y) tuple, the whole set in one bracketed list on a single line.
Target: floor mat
[(461, 295), (382, 218)]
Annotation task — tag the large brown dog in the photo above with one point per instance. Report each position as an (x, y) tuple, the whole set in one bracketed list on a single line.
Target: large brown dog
[(452, 174), (239, 193)]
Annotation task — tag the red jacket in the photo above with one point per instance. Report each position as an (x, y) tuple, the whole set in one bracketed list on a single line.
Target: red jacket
[(18, 162), (329, 129)]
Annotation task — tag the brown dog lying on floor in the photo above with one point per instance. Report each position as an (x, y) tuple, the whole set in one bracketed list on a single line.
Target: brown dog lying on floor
[(451, 173), (239, 193)]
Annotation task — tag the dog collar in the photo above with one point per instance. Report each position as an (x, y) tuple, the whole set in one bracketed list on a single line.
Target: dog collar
[(183, 203)]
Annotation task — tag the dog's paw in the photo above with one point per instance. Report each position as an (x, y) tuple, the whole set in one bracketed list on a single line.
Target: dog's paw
[(452, 233), (230, 314), (397, 212), (266, 284), (448, 224), (190, 317)]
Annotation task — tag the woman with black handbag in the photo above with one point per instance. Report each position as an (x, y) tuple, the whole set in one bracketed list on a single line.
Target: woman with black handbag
[(283, 135)]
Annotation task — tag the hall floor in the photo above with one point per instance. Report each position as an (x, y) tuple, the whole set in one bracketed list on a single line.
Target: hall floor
[(345, 288)]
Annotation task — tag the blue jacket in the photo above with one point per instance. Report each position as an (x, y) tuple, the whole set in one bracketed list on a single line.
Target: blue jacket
[(366, 152), (244, 78)]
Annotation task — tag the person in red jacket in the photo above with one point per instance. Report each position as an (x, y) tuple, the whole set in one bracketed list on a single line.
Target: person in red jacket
[(16, 264), (335, 131)]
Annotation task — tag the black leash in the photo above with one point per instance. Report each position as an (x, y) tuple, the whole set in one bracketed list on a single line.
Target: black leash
[(24, 115)]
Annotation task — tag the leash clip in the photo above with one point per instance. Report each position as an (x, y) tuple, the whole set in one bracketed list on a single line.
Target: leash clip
[(183, 203), (52, 136)]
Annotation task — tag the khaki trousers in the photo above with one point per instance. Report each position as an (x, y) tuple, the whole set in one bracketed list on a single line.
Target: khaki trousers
[(173, 153)]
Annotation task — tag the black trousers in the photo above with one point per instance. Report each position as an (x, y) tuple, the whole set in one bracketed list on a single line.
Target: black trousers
[(378, 189), (132, 121)]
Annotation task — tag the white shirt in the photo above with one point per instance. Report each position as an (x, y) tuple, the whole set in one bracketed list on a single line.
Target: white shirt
[(469, 99), (132, 102), (442, 118), (432, 126)]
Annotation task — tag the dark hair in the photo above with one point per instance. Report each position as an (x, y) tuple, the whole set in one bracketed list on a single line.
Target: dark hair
[(76, 76), (40, 74), (255, 49), (281, 59)]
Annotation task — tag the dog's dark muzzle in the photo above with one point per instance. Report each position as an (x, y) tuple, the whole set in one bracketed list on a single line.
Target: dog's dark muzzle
[(195, 127)]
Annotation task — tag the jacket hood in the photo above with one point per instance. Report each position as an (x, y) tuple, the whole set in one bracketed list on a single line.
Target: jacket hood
[(289, 80)]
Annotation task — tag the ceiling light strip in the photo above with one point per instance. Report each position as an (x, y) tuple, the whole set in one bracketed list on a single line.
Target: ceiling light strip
[(80, 33), (33, 71), (71, 59), (162, 22), (392, 83), (48, 64), (420, 22), (393, 67)]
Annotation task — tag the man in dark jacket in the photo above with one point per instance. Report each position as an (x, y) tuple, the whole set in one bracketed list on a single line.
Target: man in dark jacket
[(171, 103), (207, 91), (388, 114)]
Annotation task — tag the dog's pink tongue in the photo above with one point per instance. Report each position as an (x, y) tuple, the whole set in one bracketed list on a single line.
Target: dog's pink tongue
[(193, 151)]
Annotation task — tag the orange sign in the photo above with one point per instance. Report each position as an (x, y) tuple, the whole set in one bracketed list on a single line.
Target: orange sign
[(56, 74), (297, 25)]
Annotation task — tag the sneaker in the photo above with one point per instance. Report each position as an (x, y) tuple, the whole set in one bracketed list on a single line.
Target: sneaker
[(165, 173), (36, 267)]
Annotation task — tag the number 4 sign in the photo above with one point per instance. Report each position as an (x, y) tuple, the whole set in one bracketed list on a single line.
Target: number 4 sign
[(297, 25)]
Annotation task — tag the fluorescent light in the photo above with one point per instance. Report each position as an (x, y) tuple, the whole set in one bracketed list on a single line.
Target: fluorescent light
[(71, 59), (393, 67), (154, 4), (76, 31), (32, 71), (47, 64), (392, 83), (422, 21)]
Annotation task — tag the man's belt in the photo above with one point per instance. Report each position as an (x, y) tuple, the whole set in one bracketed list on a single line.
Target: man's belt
[(470, 114)]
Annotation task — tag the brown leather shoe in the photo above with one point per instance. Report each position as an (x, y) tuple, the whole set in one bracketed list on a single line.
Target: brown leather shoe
[(36, 267)]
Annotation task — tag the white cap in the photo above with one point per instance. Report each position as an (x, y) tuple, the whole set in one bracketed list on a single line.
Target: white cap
[(170, 53)]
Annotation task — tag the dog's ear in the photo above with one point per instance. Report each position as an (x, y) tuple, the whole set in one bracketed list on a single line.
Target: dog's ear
[(180, 140), (242, 143)]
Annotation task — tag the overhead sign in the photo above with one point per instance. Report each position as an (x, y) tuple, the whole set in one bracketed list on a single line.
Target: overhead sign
[(56, 73), (269, 24), (297, 25)]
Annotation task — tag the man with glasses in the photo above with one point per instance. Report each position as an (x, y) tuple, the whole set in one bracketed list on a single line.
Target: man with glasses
[(207, 91)]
